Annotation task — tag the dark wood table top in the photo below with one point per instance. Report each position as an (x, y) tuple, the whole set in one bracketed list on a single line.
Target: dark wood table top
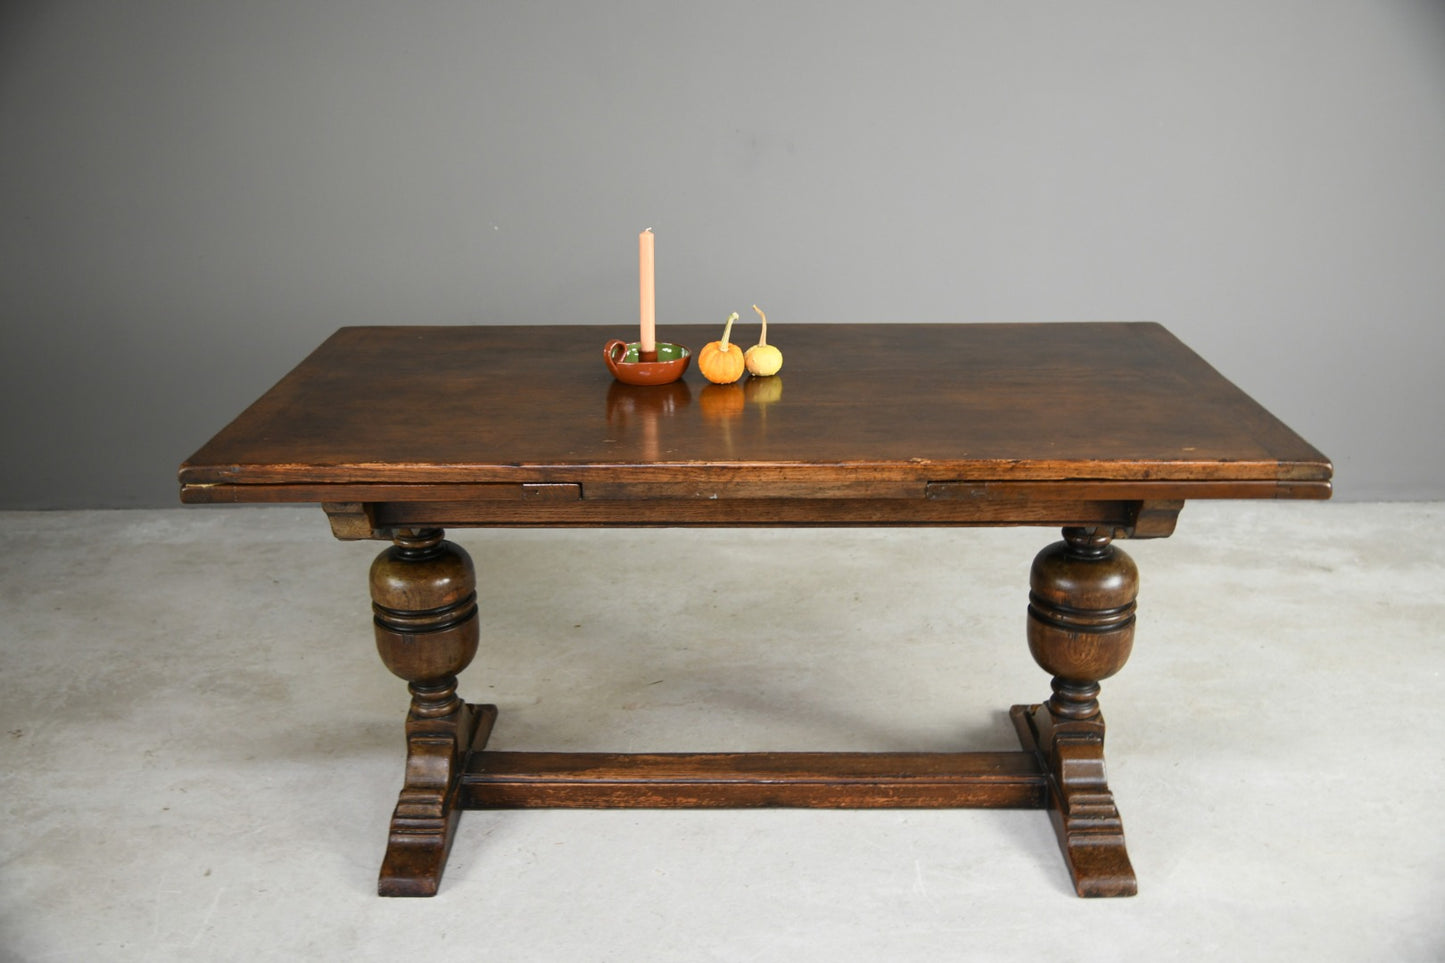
[(858, 410)]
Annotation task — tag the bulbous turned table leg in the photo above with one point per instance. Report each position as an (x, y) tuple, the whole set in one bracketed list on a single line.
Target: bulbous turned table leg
[(1080, 630), (424, 599)]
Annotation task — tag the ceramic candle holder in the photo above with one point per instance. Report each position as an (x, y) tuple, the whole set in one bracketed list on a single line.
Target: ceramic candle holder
[(624, 361)]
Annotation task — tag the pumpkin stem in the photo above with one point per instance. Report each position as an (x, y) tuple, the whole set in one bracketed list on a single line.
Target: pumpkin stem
[(763, 338), (727, 330)]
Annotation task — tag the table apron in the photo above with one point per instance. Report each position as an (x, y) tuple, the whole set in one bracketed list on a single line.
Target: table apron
[(1128, 518)]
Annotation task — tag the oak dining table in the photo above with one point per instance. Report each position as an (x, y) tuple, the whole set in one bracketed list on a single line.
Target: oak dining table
[(1100, 430)]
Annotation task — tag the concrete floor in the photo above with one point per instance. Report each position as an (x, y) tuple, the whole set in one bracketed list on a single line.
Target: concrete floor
[(200, 748)]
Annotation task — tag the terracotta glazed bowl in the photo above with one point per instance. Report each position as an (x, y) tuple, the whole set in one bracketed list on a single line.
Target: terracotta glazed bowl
[(623, 361)]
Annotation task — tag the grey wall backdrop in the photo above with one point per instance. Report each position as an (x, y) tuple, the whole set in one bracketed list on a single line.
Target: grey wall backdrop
[(194, 194)]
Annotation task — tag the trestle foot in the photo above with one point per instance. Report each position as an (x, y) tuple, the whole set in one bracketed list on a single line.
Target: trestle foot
[(1081, 807), (424, 822)]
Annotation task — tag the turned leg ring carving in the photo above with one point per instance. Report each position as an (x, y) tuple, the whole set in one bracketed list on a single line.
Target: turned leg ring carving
[(1081, 617), (424, 600)]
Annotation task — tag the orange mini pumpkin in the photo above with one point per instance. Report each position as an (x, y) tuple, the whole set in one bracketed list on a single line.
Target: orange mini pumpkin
[(720, 362)]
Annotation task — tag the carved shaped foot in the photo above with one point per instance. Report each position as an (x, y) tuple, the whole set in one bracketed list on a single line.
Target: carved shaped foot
[(425, 820), (1082, 809)]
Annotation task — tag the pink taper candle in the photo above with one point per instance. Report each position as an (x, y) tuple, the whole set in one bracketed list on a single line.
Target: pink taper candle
[(648, 291)]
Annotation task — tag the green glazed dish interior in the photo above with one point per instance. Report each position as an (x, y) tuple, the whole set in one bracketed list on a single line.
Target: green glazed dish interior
[(666, 351)]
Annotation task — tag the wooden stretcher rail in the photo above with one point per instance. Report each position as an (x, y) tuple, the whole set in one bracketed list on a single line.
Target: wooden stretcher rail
[(851, 780)]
